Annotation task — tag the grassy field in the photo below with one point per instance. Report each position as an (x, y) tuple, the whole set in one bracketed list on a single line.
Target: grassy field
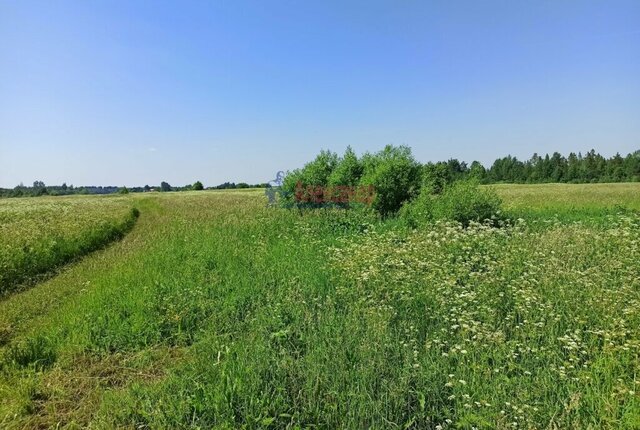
[(577, 202), (38, 236), (216, 311)]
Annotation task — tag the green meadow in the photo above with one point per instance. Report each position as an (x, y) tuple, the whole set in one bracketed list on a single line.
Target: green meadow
[(208, 309), (578, 202)]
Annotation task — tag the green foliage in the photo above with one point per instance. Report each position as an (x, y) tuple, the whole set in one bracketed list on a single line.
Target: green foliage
[(576, 168), (587, 203), (461, 201), (335, 221), (123, 190), (347, 171), (197, 186), (289, 184), (477, 171), (315, 173), (319, 170), (465, 201), (435, 178), (243, 185), (164, 186), (394, 174)]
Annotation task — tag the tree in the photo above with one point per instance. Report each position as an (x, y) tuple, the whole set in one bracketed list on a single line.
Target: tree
[(318, 171), (39, 188), (198, 186), (456, 169), (435, 177), (394, 174), (165, 186), (347, 171), (632, 166), (314, 174), (17, 191), (477, 171), (558, 167), (573, 168), (123, 190)]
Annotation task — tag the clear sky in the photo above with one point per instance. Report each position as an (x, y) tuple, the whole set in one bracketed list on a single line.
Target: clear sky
[(136, 92)]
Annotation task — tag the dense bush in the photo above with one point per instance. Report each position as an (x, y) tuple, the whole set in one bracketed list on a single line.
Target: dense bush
[(315, 173), (432, 191), (348, 170), (394, 174), (461, 201), (358, 219), (434, 177), (465, 201), (318, 171)]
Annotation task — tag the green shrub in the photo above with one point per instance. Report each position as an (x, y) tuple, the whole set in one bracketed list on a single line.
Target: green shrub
[(330, 222), (465, 201), (462, 201), (315, 173), (434, 177), (394, 174), (347, 171)]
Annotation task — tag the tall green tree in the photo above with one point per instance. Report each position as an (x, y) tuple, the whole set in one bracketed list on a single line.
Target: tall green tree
[(395, 175), (347, 171)]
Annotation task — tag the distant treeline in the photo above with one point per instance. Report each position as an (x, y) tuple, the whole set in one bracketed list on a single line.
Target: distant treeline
[(575, 168), (232, 185), (40, 189)]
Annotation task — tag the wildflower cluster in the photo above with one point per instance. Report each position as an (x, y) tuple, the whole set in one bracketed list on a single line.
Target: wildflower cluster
[(519, 320)]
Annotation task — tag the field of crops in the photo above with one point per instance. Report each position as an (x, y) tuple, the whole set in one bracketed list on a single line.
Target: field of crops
[(217, 311), (38, 235)]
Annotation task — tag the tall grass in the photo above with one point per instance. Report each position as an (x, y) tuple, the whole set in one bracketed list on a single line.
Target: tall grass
[(38, 236), (217, 312), (590, 203)]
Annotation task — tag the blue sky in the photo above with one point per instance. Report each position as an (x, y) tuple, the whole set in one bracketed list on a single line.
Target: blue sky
[(137, 92)]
